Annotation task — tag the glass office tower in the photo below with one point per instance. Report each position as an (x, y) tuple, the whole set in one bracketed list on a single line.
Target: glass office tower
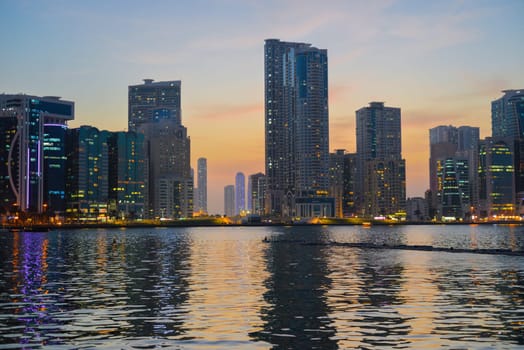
[(32, 149)]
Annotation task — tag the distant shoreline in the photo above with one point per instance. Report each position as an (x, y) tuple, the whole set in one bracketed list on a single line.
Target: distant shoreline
[(211, 223)]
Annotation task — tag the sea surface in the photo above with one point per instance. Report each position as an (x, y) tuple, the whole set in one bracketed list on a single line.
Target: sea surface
[(262, 288)]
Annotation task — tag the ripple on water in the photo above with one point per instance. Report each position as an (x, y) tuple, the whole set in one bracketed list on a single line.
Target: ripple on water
[(223, 288)]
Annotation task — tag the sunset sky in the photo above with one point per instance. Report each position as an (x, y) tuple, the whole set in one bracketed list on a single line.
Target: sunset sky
[(442, 62)]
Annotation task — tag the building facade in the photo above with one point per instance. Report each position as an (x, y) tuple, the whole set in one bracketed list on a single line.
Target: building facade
[(240, 194), (507, 115), (416, 209), (55, 167), (256, 193), (381, 185), (127, 175), (296, 129), (452, 151), (87, 184), (343, 175), (497, 193), (170, 184), (336, 180), (349, 196), (154, 101), (507, 121), (201, 202), (155, 112), (453, 196), (32, 153), (229, 200)]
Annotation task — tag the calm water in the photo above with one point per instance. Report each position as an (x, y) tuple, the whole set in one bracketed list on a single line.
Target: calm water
[(204, 288)]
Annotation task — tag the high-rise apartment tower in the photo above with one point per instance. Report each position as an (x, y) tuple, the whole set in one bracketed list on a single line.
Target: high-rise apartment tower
[(382, 171), (154, 101), (296, 130), (155, 112), (201, 202)]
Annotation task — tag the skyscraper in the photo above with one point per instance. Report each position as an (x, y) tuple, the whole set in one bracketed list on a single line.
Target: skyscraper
[(201, 185), (452, 151), (296, 129), (342, 175), (87, 184), (154, 101), (507, 121), (127, 183), (349, 197), (336, 180), (453, 196), (170, 182), (382, 178), (55, 162), (496, 178), (229, 200), (155, 112), (32, 154), (240, 193), (507, 115), (256, 193)]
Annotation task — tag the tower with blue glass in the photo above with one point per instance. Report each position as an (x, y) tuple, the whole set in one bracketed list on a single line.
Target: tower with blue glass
[(507, 121), (496, 177), (32, 144), (127, 185), (87, 174)]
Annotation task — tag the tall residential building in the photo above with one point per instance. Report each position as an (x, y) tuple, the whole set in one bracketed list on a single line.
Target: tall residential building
[(336, 180), (382, 171), (343, 174), (452, 151), (201, 192), (349, 196), (507, 120), (229, 200), (496, 178), (32, 153), (87, 184), (154, 101), (296, 130), (169, 171), (127, 175), (155, 112), (240, 193), (453, 196), (507, 115), (256, 193)]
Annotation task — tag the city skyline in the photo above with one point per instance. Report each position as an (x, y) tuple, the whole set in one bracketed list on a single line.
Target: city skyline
[(440, 62)]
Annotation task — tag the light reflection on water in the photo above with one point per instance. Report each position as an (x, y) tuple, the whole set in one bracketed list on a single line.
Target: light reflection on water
[(192, 288)]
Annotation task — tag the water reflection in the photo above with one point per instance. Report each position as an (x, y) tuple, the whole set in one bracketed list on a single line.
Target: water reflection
[(297, 315), (197, 288), (27, 280), (99, 286), (379, 319), (367, 298), (226, 288), (480, 303)]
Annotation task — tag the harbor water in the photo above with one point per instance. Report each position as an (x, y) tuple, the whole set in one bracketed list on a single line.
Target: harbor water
[(271, 287)]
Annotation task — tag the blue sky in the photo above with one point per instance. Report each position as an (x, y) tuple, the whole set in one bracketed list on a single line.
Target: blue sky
[(442, 62)]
